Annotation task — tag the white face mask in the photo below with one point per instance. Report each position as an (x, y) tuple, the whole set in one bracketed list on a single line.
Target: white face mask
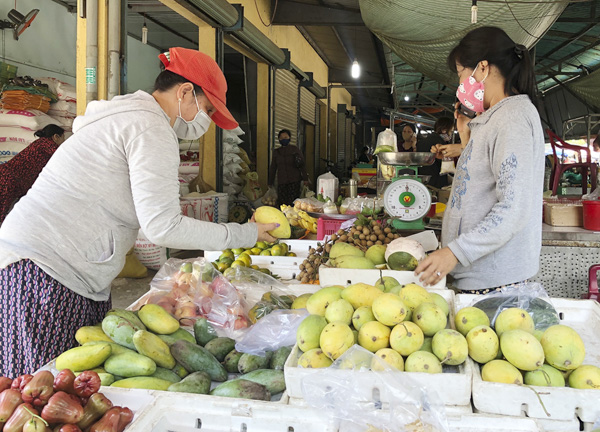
[(191, 130)]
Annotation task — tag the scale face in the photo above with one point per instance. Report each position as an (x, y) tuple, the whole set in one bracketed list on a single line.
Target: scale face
[(407, 199)]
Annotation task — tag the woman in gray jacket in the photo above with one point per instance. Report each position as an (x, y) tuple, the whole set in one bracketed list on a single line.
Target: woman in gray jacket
[(491, 233)]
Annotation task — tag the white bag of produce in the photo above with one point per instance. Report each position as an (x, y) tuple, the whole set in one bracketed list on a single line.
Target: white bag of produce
[(230, 148), (232, 169), (30, 119), (235, 179), (17, 134), (150, 254), (231, 158), (231, 137), (64, 91), (189, 167), (64, 108)]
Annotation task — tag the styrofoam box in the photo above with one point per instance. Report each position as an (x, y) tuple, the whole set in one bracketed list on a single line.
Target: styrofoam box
[(456, 378), (299, 247), (491, 423), (336, 276), (563, 403), (190, 413)]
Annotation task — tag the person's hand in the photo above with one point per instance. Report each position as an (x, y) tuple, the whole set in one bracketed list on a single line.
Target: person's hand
[(462, 125), (437, 265), (449, 150), (263, 232), (436, 149)]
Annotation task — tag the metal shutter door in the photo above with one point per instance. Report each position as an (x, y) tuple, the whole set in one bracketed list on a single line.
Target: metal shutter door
[(349, 153), (308, 103), (317, 139), (286, 103), (341, 139)]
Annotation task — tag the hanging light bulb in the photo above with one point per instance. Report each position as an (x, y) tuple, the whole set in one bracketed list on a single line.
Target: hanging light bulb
[(406, 98), (474, 12), (355, 71), (145, 32)]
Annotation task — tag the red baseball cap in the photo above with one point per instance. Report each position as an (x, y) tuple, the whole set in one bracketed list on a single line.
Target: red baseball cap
[(202, 70)]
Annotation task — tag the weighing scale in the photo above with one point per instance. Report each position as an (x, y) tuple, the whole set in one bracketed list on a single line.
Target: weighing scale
[(406, 199)]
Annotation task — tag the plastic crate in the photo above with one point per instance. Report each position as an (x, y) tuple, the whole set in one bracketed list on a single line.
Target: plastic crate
[(327, 227), (563, 403), (456, 378)]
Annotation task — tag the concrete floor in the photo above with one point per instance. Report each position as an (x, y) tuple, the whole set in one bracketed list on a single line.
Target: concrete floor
[(125, 291)]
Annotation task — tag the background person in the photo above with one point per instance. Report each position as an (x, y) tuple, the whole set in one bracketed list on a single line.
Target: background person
[(289, 166), (441, 135), (492, 228), (409, 139), (18, 174), (66, 240)]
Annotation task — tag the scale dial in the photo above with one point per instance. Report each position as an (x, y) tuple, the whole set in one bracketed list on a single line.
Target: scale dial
[(407, 200)]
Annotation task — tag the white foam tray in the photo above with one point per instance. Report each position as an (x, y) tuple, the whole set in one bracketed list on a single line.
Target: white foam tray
[(336, 276), (299, 247), (456, 378), (190, 413), (562, 403)]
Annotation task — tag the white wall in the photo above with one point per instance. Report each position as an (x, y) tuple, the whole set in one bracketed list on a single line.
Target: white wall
[(143, 66), (47, 48)]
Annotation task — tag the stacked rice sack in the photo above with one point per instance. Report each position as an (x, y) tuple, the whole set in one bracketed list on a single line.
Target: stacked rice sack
[(64, 110), (19, 118)]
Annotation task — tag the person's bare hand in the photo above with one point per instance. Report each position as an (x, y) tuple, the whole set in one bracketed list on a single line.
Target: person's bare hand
[(437, 265), (436, 149), (263, 232), (450, 150)]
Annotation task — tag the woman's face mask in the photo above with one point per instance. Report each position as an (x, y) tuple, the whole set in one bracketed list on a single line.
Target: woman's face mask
[(284, 141), (470, 92), (191, 130)]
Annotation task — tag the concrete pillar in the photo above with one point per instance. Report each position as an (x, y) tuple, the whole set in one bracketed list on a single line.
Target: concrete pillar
[(262, 123)]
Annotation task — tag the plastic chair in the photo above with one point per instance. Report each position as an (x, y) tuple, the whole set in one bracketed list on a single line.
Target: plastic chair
[(593, 284), (559, 168)]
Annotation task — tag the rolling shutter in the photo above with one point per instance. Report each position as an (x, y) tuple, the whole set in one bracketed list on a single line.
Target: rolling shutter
[(286, 103), (308, 104)]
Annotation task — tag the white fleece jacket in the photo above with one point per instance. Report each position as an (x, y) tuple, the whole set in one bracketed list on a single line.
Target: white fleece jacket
[(117, 173)]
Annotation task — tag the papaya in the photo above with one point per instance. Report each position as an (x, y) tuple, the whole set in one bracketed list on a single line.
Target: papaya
[(84, 357), (153, 347), (197, 382), (158, 320), (143, 382), (129, 316), (241, 388), (273, 380), (279, 358), (130, 365), (119, 330), (232, 360), (166, 374), (204, 332), (220, 347), (195, 358), (249, 362), (91, 334)]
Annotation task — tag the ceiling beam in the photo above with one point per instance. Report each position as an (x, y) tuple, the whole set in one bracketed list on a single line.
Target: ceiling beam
[(549, 67), (567, 35), (344, 47), (314, 45), (303, 14), (573, 38)]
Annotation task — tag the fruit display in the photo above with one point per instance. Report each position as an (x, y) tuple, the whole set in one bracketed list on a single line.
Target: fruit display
[(513, 352), (404, 325), (67, 402), (148, 350), (269, 302), (368, 244), (299, 218), (240, 257)]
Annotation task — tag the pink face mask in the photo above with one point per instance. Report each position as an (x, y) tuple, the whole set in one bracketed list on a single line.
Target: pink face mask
[(470, 93)]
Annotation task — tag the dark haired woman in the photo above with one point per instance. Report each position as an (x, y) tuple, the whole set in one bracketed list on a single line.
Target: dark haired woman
[(18, 174), (441, 135), (492, 230), (288, 163), (409, 139), (66, 240)]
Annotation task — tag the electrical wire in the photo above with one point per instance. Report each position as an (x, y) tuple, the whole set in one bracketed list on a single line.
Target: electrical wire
[(259, 16), (537, 38)]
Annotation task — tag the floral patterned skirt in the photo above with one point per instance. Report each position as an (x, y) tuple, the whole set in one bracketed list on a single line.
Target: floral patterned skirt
[(39, 318), (288, 193)]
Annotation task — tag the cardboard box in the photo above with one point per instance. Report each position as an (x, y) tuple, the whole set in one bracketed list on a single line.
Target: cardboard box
[(560, 214)]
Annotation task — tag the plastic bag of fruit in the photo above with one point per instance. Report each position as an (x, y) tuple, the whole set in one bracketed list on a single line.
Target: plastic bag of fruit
[(410, 407), (193, 288), (529, 296), (270, 198)]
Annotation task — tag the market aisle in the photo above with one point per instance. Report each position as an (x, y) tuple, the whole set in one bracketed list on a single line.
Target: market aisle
[(126, 290)]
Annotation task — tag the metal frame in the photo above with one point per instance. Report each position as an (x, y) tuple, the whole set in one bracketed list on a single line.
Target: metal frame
[(590, 120)]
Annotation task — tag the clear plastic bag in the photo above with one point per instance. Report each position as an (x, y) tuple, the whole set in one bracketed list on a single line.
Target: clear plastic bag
[(387, 141), (529, 296), (447, 167), (409, 407), (270, 198), (193, 288), (274, 331), (309, 205)]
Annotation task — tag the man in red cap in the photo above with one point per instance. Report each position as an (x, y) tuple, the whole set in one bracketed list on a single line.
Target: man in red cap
[(66, 240)]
